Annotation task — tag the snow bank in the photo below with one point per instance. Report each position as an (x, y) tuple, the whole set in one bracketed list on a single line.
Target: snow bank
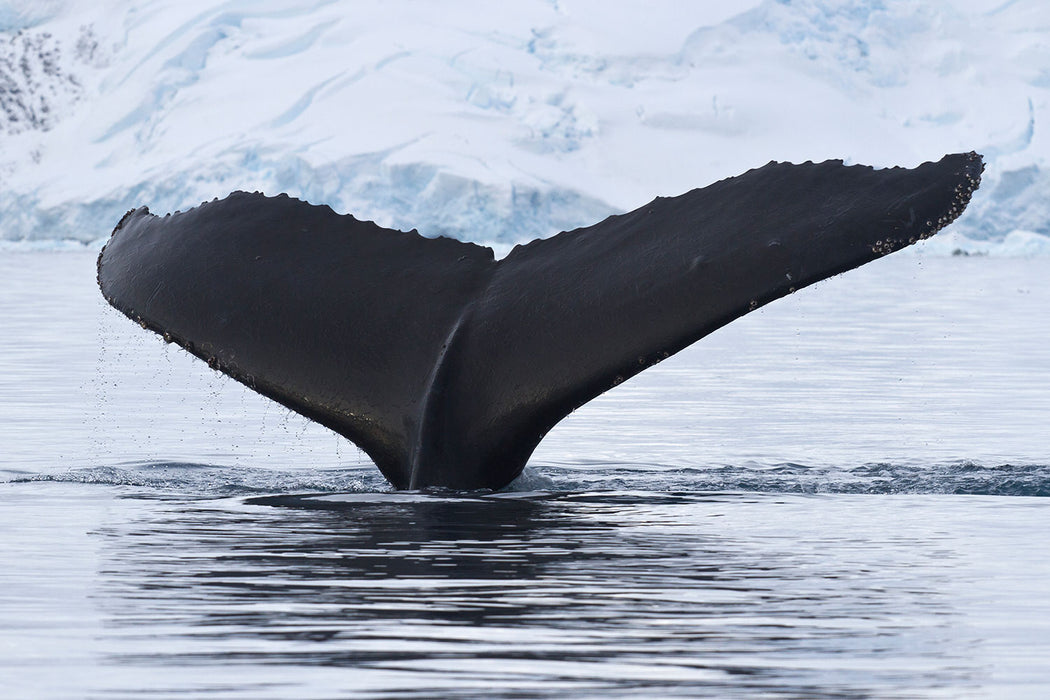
[(501, 122)]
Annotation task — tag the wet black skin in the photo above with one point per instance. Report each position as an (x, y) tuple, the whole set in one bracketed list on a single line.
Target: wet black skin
[(448, 367)]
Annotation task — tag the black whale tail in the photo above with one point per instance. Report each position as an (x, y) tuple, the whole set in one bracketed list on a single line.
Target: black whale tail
[(448, 367)]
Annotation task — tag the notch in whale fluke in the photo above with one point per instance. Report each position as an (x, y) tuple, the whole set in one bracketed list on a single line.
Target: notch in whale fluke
[(448, 367)]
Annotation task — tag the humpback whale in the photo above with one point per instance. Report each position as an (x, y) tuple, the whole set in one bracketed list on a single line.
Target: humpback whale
[(447, 366)]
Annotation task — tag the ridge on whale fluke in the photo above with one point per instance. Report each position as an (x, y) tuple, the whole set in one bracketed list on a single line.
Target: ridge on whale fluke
[(446, 366)]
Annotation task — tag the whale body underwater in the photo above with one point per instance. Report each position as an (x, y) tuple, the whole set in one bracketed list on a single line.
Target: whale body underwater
[(447, 366)]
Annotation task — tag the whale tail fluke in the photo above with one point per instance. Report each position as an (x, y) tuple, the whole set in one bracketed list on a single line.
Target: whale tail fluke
[(448, 367)]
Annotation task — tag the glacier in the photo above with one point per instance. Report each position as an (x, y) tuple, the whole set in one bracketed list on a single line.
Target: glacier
[(503, 122)]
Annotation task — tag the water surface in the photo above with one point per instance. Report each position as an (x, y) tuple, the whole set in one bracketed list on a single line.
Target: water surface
[(842, 495)]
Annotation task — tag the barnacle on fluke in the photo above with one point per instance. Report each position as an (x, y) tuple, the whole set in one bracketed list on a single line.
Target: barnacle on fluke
[(447, 366)]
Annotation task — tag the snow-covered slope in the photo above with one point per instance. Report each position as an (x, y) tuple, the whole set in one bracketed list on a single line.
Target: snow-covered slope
[(501, 122)]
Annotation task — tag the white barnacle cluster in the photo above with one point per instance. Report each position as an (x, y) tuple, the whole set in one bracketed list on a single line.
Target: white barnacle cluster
[(963, 192), (884, 247)]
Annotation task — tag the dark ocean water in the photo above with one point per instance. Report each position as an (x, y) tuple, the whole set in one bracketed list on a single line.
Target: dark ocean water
[(840, 496)]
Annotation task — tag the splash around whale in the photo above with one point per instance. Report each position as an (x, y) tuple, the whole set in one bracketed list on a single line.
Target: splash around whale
[(447, 366)]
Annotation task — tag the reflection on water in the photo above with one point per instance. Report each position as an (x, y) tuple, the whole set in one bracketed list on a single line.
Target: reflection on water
[(587, 594)]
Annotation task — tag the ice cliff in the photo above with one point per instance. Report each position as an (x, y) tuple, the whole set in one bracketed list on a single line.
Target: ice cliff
[(501, 122)]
